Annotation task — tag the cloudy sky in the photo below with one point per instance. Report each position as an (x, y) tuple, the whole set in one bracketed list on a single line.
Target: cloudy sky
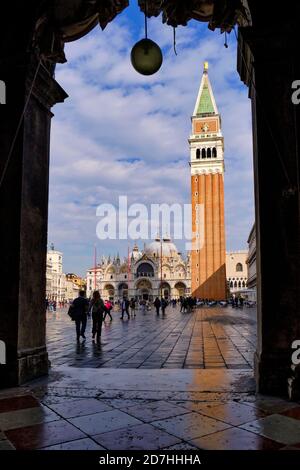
[(121, 133)]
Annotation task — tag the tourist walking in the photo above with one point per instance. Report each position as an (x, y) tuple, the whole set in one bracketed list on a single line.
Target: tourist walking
[(164, 305), (132, 307), (157, 304), (97, 308), (107, 309), (143, 305), (125, 308), (78, 312)]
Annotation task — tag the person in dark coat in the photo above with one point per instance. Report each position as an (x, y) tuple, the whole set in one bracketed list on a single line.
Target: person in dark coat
[(164, 305), (125, 307), (98, 309), (157, 305), (79, 314)]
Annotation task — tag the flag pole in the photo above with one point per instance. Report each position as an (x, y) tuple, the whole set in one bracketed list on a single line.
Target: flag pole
[(128, 269), (161, 267), (95, 266)]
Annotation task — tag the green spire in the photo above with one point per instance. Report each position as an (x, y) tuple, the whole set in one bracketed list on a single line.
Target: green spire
[(205, 103)]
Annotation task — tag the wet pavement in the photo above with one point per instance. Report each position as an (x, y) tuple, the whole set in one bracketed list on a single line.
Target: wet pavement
[(183, 382), (205, 338), (88, 408)]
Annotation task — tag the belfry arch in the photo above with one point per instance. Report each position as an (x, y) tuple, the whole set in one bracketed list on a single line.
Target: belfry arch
[(32, 40)]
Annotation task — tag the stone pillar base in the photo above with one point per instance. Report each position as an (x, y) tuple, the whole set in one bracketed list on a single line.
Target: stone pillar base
[(271, 373), (32, 363), (29, 364)]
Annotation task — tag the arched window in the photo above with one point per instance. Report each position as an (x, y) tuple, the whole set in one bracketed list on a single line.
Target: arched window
[(198, 153), (235, 284), (209, 153), (231, 284), (239, 284), (243, 284), (145, 270), (214, 152), (203, 153), (239, 267)]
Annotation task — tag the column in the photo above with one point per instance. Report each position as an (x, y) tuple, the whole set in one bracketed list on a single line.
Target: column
[(274, 62), (23, 215)]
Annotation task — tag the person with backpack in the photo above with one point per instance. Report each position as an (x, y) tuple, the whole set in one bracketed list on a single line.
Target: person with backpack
[(97, 309)]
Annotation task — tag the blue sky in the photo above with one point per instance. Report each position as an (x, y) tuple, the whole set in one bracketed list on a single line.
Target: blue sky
[(121, 133)]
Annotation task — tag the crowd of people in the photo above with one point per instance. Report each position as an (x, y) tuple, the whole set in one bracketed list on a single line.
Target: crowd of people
[(98, 309), (53, 305)]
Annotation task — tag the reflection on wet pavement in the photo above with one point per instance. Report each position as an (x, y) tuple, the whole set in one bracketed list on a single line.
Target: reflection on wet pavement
[(206, 338), (181, 382)]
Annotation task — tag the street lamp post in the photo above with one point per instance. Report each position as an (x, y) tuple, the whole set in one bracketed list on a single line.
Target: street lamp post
[(161, 268)]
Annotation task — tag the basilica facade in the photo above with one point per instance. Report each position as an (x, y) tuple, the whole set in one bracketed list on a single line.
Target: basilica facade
[(157, 270)]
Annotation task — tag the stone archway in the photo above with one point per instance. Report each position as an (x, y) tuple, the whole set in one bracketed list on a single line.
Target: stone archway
[(144, 290), (109, 292), (180, 290), (123, 290), (25, 192), (165, 290)]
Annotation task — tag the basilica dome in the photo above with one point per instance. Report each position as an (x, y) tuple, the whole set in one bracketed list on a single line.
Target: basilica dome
[(155, 248)]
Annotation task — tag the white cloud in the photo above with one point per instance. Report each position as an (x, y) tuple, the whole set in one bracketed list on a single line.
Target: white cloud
[(123, 133)]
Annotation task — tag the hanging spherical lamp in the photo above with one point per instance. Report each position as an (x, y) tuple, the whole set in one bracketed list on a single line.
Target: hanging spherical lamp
[(146, 57)]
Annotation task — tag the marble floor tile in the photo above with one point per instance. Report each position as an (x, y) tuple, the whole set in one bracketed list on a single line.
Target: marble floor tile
[(80, 444), (231, 412), (43, 435), (104, 422), (17, 403), (26, 417), (141, 437), (80, 407), (190, 425), (235, 439), (292, 412), (276, 427), (6, 445), (154, 411)]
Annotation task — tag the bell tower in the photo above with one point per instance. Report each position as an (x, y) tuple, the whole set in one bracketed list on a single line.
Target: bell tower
[(207, 191)]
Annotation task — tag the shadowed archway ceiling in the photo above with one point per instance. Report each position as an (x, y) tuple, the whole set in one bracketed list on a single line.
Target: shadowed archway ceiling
[(67, 20)]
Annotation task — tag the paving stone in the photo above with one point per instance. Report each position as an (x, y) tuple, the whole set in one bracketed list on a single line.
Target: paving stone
[(81, 444), (190, 425), (104, 422), (6, 445), (231, 412), (80, 407), (26, 417), (18, 403), (182, 446), (43, 435), (235, 439), (173, 341), (276, 427), (142, 437), (149, 412)]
